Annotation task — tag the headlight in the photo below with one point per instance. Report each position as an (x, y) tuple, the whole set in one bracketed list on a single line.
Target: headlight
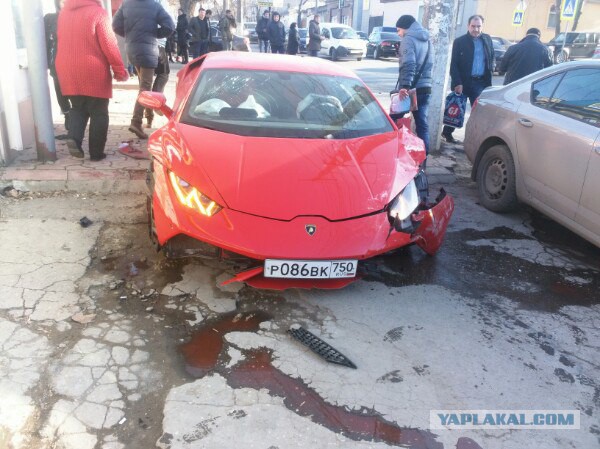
[(191, 197), (404, 204)]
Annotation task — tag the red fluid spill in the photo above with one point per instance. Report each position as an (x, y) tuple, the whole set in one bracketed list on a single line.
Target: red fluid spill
[(257, 372), (201, 353)]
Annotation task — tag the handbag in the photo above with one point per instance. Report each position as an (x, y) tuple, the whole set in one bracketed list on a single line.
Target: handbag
[(454, 111), (399, 107)]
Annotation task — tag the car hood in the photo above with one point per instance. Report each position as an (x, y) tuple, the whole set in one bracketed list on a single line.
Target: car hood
[(352, 43), (286, 178)]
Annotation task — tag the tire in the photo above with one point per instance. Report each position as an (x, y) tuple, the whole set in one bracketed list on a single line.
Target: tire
[(333, 54), (496, 180), (561, 57), (376, 54), (359, 59)]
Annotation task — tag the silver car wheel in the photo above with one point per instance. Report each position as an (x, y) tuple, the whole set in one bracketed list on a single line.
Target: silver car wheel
[(496, 180)]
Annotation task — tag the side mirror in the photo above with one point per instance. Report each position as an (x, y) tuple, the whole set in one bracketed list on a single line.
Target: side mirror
[(156, 101)]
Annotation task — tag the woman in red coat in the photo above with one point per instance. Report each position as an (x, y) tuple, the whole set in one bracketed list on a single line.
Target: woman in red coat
[(87, 50)]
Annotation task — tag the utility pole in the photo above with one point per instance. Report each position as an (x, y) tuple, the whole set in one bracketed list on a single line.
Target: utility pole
[(38, 79), (439, 18)]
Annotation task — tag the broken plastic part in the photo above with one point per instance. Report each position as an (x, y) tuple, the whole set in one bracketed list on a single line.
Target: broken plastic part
[(85, 222), (320, 347)]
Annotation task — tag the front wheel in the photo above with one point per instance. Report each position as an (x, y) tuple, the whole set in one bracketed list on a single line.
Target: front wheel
[(376, 54), (333, 54), (496, 179), (359, 59), (561, 57)]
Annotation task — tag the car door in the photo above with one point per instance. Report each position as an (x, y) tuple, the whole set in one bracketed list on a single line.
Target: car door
[(326, 42), (579, 47), (555, 140), (588, 214)]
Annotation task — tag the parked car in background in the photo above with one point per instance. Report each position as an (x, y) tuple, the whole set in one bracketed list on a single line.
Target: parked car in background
[(303, 35), (574, 45), (537, 140), (383, 45), (240, 43), (381, 29), (499, 52), (250, 31), (341, 41), (290, 167), (596, 52)]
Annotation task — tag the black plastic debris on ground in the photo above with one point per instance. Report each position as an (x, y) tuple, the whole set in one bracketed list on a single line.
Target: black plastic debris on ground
[(321, 348), (85, 222)]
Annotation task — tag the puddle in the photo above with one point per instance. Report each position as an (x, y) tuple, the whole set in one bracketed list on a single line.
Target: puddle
[(201, 353), (201, 356)]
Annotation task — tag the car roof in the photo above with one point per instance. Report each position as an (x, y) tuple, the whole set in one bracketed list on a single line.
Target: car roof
[(274, 62), (334, 25)]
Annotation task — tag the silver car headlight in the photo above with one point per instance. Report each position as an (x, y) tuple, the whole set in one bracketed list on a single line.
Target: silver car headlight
[(404, 204)]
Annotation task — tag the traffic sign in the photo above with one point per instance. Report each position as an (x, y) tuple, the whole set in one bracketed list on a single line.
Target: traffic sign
[(264, 4), (518, 16), (568, 9)]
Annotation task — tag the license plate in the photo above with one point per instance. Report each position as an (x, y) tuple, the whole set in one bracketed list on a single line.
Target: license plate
[(310, 269)]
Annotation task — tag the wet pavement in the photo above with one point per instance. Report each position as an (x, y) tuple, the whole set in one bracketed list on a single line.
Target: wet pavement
[(106, 344)]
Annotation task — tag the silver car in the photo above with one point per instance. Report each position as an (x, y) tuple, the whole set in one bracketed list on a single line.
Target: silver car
[(537, 140)]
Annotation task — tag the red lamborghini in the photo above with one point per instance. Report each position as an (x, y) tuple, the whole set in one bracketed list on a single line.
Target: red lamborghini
[(288, 166)]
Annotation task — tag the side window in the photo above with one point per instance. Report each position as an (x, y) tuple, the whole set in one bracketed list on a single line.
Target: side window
[(326, 33), (580, 39), (578, 96), (541, 92)]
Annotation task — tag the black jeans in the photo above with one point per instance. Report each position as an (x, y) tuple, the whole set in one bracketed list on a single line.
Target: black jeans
[(95, 110), (145, 79), (277, 48), (63, 101), (162, 76), (472, 94)]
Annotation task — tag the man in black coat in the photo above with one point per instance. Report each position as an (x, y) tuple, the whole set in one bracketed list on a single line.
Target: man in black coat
[(141, 22), (526, 57), (261, 32), (471, 66), (182, 36), (199, 28), (276, 32)]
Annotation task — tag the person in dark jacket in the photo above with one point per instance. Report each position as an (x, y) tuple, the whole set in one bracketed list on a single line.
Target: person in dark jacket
[(526, 57), (50, 26), (199, 28), (226, 26), (182, 37), (293, 40), (471, 65), (276, 33), (261, 32), (141, 22), (314, 36), (416, 64)]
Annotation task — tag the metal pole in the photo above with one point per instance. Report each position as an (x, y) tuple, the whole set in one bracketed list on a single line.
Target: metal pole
[(33, 31), (439, 18)]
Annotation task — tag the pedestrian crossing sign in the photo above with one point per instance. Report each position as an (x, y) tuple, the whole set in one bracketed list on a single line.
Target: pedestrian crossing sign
[(568, 9), (518, 16)]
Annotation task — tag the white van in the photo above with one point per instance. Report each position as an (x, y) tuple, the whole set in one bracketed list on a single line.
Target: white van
[(341, 41)]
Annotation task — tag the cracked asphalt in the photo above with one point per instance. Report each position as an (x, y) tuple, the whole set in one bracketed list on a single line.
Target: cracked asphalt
[(105, 344)]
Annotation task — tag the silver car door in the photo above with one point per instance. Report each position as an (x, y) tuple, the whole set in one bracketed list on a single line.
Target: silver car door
[(554, 142), (588, 214)]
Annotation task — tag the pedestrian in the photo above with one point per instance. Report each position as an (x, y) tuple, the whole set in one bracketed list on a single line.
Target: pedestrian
[(416, 64), (314, 36), (161, 73), (261, 32), (526, 57), (199, 29), (293, 40), (471, 65), (141, 22), (182, 37), (226, 26), (171, 46), (50, 26), (87, 50), (276, 33)]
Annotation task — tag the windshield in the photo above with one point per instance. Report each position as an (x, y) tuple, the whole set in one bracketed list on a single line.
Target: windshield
[(344, 33), (390, 36), (282, 104)]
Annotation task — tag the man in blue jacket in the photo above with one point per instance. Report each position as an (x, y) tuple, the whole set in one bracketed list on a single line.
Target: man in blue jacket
[(526, 57), (471, 65), (141, 22), (416, 63)]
